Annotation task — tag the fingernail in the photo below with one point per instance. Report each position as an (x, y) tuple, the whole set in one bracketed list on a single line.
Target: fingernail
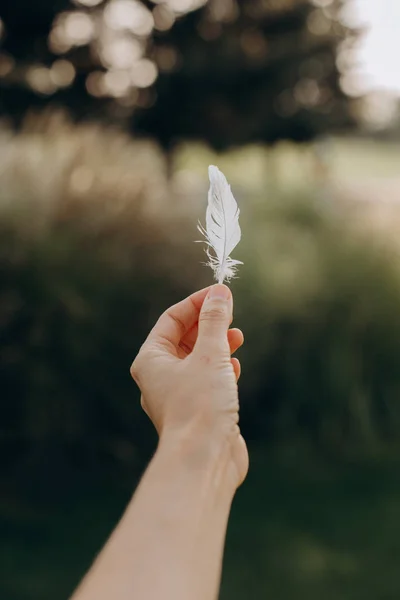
[(220, 291)]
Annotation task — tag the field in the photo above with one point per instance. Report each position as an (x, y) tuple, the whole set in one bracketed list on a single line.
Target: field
[(301, 526), (321, 531)]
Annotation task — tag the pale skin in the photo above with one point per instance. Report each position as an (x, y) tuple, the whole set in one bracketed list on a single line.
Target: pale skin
[(169, 543)]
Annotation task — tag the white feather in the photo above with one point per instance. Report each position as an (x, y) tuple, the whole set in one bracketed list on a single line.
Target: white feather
[(222, 230)]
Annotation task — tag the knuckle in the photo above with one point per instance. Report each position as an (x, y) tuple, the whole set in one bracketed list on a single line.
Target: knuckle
[(134, 371), (138, 366), (135, 368), (144, 405), (214, 312)]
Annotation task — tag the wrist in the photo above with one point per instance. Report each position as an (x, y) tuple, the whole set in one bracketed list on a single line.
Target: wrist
[(200, 452)]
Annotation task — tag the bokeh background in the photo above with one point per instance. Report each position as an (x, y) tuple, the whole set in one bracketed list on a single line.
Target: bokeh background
[(111, 111)]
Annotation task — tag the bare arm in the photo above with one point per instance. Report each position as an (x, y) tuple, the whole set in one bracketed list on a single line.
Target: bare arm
[(169, 543)]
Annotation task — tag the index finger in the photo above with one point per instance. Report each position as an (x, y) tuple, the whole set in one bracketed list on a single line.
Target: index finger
[(175, 322)]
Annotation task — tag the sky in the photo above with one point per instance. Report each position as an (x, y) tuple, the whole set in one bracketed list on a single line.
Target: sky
[(379, 50)]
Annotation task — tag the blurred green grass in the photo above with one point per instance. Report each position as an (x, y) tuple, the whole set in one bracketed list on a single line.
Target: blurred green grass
[(295, 167), (298, 529), (83, 279), (321, 532)]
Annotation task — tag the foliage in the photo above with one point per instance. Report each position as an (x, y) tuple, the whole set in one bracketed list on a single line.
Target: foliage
[(295, 531), (228, 72), (326, 336), (87, 265), (250, 71), (90, 255)]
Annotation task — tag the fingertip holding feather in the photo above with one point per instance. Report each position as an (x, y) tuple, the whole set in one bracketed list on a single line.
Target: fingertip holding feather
[(222, 231)]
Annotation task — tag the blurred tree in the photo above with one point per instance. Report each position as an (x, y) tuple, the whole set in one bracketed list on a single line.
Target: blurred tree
[(228, 72), (249, 71)]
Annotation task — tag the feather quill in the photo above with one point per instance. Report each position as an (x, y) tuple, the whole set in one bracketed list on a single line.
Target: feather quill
[(222, 231)]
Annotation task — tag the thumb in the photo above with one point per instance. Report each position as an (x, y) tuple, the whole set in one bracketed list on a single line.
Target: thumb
[(214, 320)]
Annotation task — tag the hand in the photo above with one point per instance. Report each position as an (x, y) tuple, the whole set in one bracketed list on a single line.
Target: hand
[(188, 379)]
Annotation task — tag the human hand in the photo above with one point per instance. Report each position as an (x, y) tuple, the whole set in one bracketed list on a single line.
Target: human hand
[(188, 379)]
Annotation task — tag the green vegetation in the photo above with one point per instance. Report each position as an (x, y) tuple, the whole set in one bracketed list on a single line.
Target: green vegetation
[(94, 245), (316, 531), (92, 252), (96, 240)]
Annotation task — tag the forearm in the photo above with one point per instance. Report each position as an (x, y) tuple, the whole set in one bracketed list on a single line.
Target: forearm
[(169, 544)]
